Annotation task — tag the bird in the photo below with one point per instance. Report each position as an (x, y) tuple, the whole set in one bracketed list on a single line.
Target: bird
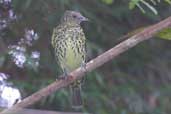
[(69, 44)]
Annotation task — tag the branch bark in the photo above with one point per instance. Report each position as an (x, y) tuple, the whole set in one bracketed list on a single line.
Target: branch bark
[(145, 34)]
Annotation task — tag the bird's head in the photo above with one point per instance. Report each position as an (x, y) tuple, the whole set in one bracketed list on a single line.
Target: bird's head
[(73, 16)]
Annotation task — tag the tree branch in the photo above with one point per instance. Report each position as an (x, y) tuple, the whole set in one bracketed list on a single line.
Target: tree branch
[(145, 34)]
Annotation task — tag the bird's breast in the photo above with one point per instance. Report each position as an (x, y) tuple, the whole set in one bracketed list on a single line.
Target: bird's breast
[(73, 58)]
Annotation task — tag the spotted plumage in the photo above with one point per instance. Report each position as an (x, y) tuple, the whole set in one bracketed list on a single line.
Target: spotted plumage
[(68, 41)]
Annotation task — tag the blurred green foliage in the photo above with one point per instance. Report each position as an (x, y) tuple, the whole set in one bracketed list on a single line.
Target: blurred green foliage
[(148, 3), (137, 81), (165, 34)]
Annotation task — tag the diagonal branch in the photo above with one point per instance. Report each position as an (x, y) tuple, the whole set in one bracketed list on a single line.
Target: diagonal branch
[(145, 34)]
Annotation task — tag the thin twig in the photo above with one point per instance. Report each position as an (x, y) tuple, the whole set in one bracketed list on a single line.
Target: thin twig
[(145, 34)]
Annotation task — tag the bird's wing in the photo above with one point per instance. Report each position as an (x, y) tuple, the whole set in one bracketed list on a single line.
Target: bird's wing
[(56, 35), (84, 45)]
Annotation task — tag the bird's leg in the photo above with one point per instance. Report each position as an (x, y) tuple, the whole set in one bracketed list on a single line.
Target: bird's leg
[(83, 67), (64, 75)]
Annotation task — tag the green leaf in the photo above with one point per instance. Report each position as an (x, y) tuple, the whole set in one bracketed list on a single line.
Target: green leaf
[(138, 3), (107, 1), (168, 1), (133, 3), (150, 7), (165, 34)]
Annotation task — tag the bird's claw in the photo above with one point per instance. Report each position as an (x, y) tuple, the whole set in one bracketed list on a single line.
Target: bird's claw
[(64, 76), (83, 66)]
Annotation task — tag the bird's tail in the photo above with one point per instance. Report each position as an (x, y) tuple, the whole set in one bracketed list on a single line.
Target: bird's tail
[(76, 97)]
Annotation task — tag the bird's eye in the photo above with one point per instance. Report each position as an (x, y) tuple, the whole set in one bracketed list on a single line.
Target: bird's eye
[(74, 16)]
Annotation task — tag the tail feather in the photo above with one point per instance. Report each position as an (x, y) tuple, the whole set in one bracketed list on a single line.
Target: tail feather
[(76, 97)]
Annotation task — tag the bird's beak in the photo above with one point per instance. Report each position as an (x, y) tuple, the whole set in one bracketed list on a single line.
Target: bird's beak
[(84, 18)]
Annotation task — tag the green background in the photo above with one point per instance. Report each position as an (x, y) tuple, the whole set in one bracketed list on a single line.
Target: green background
[(136, 82)]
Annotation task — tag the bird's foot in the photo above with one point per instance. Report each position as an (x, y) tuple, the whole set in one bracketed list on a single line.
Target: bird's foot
[(63, 76), (83, 66)]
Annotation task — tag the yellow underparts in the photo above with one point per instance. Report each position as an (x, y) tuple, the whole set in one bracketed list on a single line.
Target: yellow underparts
[(72, 59)]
